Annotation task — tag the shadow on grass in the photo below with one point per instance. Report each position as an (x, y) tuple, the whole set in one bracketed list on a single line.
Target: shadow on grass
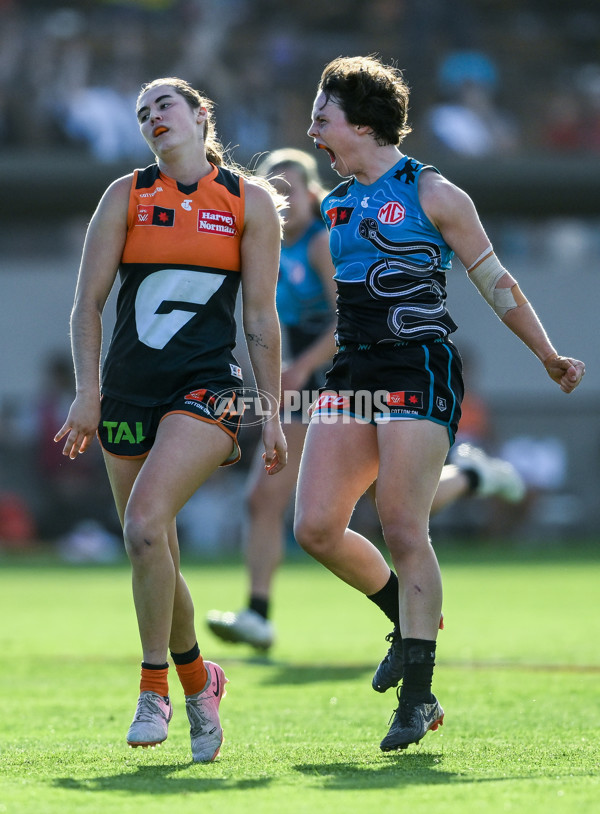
[(292, 673), (392, 771), (161, 779)]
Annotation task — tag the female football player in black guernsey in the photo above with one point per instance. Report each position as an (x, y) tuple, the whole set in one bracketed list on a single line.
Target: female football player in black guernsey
[(183, 234), (394, 225)]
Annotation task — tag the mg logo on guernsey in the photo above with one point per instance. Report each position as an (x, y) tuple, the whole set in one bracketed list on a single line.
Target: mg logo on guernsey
[(391, 213)]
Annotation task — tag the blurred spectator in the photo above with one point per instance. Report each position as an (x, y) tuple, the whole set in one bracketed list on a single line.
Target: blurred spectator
[(201, 50), (62, 499), (17, 525), (469, 122), (49, 51), (572, 121), (101, 117)]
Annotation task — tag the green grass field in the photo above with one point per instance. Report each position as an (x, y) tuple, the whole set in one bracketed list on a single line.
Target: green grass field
[(518, 674)]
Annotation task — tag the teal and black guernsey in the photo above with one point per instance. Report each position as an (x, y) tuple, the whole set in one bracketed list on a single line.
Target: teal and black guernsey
[(390, 260)]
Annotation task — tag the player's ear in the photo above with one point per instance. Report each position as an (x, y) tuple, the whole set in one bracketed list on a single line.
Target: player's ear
[(364, 129)]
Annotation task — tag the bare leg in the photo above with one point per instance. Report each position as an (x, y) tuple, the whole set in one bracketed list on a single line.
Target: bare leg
[(339, 463), (148, 497), (412, 454)]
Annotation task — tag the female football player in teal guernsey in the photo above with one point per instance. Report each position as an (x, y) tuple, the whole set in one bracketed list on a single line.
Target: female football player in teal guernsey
[(395, 386), (183, 234), (306, 305)]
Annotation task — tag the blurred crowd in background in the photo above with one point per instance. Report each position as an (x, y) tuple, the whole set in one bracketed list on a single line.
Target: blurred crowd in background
[(489, 78)]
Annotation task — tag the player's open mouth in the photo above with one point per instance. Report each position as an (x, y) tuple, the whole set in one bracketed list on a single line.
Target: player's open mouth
[(327, 150), (158, 131)]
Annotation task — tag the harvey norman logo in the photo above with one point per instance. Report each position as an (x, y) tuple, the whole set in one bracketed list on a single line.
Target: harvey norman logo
[(217, 222)]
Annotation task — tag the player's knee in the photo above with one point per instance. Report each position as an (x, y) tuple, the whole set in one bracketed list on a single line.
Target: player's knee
[(311, 535), (141, 535), (404, 539)]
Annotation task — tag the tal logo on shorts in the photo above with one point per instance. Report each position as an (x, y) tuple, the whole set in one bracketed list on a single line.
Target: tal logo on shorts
[(118, 431), (391, 212)]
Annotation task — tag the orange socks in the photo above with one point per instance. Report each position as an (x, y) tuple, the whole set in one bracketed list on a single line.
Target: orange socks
[(155, 680), (191, 670), (193, 676)]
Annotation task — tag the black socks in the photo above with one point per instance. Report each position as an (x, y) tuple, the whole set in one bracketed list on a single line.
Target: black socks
[(260, 605), (419, 661), (387, 599)]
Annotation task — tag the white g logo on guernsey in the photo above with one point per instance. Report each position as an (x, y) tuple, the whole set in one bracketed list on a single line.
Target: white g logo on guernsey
[(170, 286), (187, 204)]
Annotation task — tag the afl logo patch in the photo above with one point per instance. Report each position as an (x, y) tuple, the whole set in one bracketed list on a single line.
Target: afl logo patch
[(391, 212), (152, 215), (340, 215)]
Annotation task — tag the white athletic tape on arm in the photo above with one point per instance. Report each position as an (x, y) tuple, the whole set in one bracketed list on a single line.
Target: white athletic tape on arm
[(485, 278)]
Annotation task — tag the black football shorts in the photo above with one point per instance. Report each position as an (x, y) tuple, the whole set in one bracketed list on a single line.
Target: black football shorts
[(129, 430), (394, 382)]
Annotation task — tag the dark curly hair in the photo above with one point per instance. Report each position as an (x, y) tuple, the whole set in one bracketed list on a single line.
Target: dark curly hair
[(370, 93)]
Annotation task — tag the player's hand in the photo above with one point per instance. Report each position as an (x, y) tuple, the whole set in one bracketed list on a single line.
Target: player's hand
[(275, 454), (566, 372), (80, 427)]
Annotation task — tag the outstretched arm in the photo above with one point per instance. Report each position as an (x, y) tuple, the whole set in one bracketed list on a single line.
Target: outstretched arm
[(454, 214)]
